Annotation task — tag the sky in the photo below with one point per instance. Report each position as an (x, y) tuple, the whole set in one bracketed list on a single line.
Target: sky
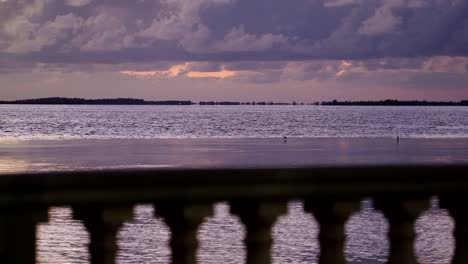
[(235, 50)]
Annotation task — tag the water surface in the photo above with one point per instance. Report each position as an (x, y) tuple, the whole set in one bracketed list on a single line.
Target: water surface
[(44, 138), (75, 122)]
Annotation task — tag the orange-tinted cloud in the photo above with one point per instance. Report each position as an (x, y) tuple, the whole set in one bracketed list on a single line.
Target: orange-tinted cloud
[(212, 74), (182, 70), (345, 65), (174, 71)]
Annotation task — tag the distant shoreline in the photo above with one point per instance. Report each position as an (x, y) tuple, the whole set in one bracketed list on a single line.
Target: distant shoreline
[(132, 101)]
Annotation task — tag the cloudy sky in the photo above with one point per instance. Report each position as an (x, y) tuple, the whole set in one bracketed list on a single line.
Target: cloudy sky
[(280, 50)]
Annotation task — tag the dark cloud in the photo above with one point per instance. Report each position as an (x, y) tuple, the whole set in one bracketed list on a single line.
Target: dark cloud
[(118, 31)]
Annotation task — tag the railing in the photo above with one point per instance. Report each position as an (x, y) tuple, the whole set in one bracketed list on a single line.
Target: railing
[(103, 200)]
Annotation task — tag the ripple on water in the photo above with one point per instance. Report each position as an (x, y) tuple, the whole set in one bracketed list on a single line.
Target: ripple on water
[(146, 239), (100, 122)]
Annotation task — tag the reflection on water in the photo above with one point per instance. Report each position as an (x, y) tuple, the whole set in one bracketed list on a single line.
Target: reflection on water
[(10, 165), (145, 239)]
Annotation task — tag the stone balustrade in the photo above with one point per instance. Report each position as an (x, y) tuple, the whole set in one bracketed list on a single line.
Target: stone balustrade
[(183, 198)]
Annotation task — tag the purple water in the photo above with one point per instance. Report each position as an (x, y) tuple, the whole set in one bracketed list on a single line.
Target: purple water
[(99, 122), (72, 137)]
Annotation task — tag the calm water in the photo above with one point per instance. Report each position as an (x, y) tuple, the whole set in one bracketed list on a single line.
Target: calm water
[(67, 122), (145, 239)]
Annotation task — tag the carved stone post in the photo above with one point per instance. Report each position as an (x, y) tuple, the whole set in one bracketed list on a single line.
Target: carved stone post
[(459, 213), (103, 223), (401, 215), (332, 216), (18, 234), (183, 220), (258, 218)]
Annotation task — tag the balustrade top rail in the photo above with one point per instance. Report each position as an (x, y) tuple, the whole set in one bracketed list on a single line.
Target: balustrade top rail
[(147, 185)]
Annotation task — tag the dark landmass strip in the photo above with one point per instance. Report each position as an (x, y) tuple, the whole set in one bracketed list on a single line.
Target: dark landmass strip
[(80, 101), (397, 103), (219, 103), (246, 103), (132, 101)]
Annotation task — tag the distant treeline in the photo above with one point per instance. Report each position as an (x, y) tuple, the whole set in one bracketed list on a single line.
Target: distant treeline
[(131, 101), (246, 103), (397, 103), (80, 101)]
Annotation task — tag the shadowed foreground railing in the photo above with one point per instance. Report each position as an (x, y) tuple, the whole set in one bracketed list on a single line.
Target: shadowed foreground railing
[(103, 200)]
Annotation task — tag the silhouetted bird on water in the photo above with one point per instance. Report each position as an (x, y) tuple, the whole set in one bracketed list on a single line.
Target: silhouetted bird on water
[(285, 138)]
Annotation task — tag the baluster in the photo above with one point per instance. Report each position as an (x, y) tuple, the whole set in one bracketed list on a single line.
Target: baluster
[(401, 215), (183, 220), (457, 209), (332, 216), (18, 234), (103, 223), (258, 218)]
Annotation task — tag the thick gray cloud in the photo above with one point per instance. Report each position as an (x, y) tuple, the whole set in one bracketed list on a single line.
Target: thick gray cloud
[(116, 31)]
